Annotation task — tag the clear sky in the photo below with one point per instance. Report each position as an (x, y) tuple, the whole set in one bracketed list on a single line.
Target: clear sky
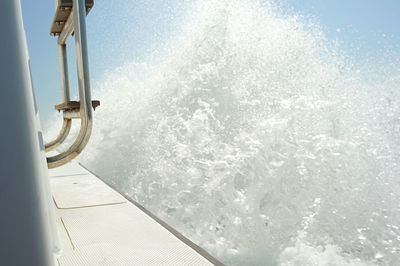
[(121, 31)]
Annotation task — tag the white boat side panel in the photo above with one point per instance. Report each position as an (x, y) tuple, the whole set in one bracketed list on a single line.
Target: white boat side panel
[(87, 191), (115, 232), (25, 231)]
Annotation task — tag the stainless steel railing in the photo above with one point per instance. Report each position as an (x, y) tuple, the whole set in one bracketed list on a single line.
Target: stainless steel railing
[(75, 24)]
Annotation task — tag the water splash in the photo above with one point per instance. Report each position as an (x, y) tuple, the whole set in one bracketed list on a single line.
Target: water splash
[(256, 138)]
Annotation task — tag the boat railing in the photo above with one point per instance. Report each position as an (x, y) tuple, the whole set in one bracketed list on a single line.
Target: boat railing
[(70, 19)]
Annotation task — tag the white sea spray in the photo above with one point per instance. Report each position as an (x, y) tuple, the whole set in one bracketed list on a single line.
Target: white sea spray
[(256, 138)]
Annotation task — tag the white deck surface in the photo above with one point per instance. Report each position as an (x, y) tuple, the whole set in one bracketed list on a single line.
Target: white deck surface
[(98, 226)]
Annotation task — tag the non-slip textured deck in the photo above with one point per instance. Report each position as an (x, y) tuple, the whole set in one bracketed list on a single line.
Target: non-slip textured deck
[(98, 226)]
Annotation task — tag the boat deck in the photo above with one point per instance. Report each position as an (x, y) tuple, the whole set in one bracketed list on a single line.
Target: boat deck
[(99, 226)]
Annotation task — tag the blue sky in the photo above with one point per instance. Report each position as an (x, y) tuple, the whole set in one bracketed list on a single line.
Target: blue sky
[(121, 31)]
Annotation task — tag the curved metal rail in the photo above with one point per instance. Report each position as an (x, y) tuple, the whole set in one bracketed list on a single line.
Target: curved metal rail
[(76, 23), (66, 127)]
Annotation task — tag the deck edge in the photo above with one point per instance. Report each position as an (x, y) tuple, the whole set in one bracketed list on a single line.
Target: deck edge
[(172, 230)]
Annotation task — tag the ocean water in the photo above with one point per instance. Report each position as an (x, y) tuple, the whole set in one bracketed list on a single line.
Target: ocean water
[(258, 138)]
